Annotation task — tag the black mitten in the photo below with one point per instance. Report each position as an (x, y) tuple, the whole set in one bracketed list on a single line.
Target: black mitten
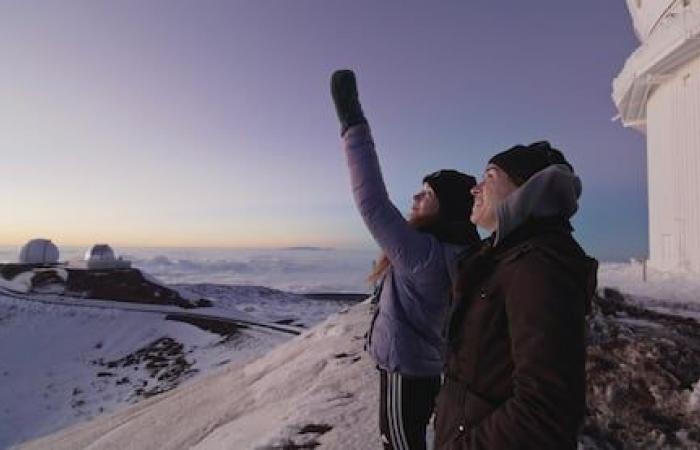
[(347, 103)]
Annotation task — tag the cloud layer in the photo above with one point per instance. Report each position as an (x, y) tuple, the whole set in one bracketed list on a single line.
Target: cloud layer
[(295, 270)]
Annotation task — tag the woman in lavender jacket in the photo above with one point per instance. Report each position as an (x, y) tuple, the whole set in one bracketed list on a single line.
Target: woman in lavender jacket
[(407, 333)]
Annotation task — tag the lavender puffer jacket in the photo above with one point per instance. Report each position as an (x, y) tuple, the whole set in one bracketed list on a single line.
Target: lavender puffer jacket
[(407, 334)]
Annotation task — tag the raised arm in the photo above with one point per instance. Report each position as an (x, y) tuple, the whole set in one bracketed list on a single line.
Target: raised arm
[(406, 248)]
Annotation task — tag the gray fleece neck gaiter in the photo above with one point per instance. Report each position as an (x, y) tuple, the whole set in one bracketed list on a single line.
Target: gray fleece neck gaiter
[(553, 191)]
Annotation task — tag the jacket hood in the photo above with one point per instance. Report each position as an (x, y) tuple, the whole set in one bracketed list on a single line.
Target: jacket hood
[(551, 192)]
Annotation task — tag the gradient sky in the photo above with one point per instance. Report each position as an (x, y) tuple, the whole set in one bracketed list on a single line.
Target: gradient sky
[(209, 123)]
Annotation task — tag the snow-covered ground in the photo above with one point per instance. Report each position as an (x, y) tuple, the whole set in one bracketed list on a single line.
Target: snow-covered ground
[(261, 303), (317, 387), (67, 360), (628, 277), (675, 293)]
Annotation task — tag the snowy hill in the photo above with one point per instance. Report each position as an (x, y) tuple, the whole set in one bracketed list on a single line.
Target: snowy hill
[(318, 387), (63, 361)]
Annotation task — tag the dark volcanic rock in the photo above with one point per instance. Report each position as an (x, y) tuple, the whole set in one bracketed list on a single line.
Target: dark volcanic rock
[(222, 327), (46, 278), (641, 369), (10, 270), (128, 285), (306, 438), (163, 359)]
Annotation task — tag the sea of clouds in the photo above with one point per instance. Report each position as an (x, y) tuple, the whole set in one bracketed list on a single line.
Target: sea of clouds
[(304, 270), (298, 270)]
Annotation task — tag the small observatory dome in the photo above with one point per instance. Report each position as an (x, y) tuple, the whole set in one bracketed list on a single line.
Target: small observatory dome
[(38, 251), (101, 256), (100, 252)]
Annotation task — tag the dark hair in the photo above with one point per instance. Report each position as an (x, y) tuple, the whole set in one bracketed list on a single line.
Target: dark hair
[(450, 223)]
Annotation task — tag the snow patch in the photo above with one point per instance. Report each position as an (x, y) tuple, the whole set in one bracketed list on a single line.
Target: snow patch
[(314, 389), (62, 364), (21, 283), (628, 277), (694, 399)]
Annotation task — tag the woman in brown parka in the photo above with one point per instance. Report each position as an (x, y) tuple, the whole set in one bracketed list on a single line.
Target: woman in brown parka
[(515, 375)]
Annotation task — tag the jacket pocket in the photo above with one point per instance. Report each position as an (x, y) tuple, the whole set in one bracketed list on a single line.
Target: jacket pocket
[(449, 415), (381, 342), (476, 408)]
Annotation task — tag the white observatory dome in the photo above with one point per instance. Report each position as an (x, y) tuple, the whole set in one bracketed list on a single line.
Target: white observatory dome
[(100, 252), (38, 251), (101, 256)]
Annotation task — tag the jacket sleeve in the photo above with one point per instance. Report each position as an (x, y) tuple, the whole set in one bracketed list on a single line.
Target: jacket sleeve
[(546, 316), (406, 248)]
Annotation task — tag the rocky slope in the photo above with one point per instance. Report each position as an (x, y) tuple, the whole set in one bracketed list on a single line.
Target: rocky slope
[(643, 374)]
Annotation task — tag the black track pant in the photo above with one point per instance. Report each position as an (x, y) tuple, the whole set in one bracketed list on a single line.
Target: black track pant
[(405, 407)]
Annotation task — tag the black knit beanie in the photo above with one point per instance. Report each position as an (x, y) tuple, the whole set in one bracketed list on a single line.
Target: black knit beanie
[(521, 162), (453, 192)]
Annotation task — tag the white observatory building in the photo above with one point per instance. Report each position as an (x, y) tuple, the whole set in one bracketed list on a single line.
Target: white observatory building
[(101, 256), (38, 251), (658, 93)]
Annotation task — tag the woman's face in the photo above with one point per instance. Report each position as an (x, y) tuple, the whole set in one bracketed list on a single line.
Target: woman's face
[(425, 203), (488, 194)]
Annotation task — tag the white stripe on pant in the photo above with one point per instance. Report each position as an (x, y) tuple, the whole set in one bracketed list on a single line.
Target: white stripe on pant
[(400, 414), (395, 413)]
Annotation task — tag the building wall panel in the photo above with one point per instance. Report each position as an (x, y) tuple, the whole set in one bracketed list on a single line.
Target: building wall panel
[(673, 149)]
